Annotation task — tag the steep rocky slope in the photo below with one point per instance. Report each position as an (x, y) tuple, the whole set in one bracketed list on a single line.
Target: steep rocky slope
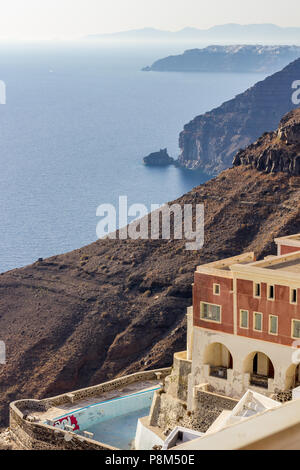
[(210, 141), (114, 307), (276, 151)]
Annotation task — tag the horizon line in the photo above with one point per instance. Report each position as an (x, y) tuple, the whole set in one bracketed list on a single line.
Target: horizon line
[(80, 36)]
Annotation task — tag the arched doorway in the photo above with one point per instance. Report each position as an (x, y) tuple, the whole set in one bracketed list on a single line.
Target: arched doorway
[(297, 377), (292, 377), (219, 358), (261, 369)]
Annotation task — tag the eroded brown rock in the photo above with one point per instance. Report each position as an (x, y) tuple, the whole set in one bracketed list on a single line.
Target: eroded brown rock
[(277, 151)]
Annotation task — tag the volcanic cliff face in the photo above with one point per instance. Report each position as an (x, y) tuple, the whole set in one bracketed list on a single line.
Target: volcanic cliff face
[(117, 306), (275, 151), (210, 141)]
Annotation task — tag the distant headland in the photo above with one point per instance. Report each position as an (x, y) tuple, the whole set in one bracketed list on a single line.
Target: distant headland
[(233, 59)]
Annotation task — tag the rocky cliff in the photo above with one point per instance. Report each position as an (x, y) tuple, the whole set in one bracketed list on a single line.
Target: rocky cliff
[(235, 59), (210, 141), (114, 307), (277, 151)]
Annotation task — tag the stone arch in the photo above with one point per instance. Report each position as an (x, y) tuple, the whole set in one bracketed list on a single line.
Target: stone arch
[(260, 367), (292, 377), (219, 358)]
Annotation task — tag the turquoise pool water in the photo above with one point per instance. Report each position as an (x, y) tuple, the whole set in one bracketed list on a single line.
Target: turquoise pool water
[(112, 422), (120, 431)]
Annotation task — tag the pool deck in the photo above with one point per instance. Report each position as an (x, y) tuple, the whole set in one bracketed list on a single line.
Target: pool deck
[(131, 389)]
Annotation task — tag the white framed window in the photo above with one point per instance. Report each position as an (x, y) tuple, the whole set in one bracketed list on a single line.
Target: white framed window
[(271, 292), (294, 296), (257, 290), (257, 321), (217, 289), (210, 312), (244, 319), (273, 325), (295, 329)]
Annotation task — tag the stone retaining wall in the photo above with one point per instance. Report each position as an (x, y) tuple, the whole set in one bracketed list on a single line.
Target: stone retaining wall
[(177, 383), (108, 386), (168, 412), (209, 406)]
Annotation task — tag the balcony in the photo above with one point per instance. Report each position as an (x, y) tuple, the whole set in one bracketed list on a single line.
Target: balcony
[(218, 372), (261, 381)]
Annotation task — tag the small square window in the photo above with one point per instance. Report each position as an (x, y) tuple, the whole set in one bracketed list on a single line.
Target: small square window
[(296, 328), (293, 296), (271, 292), (273, 325), (217, 289), (257, 289), (244, 319), (258, 321)]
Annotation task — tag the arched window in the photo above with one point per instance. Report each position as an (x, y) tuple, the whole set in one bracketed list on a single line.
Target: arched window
[(292, 379)]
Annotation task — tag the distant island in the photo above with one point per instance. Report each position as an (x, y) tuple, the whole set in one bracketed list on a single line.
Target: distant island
[(234, 58), (235, 33)]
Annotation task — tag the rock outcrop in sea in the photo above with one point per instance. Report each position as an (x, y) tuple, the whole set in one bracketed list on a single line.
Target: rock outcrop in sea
[(160, 158)]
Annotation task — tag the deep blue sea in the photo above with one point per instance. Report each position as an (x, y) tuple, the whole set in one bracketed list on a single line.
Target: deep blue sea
[(79, 119)]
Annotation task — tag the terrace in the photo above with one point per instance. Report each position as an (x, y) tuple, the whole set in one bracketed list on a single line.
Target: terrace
[(284, 267)]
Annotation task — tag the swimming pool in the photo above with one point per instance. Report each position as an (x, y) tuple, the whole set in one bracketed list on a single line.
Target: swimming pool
[(112, 422)]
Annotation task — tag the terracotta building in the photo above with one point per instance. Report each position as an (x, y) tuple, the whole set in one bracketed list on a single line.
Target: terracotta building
[(244, 326)]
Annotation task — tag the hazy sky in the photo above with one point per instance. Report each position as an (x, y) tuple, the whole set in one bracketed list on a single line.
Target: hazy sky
[(42, 19)]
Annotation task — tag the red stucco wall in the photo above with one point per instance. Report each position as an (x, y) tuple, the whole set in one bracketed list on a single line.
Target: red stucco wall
[(203, 292), (285, 250), (280, 307)]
